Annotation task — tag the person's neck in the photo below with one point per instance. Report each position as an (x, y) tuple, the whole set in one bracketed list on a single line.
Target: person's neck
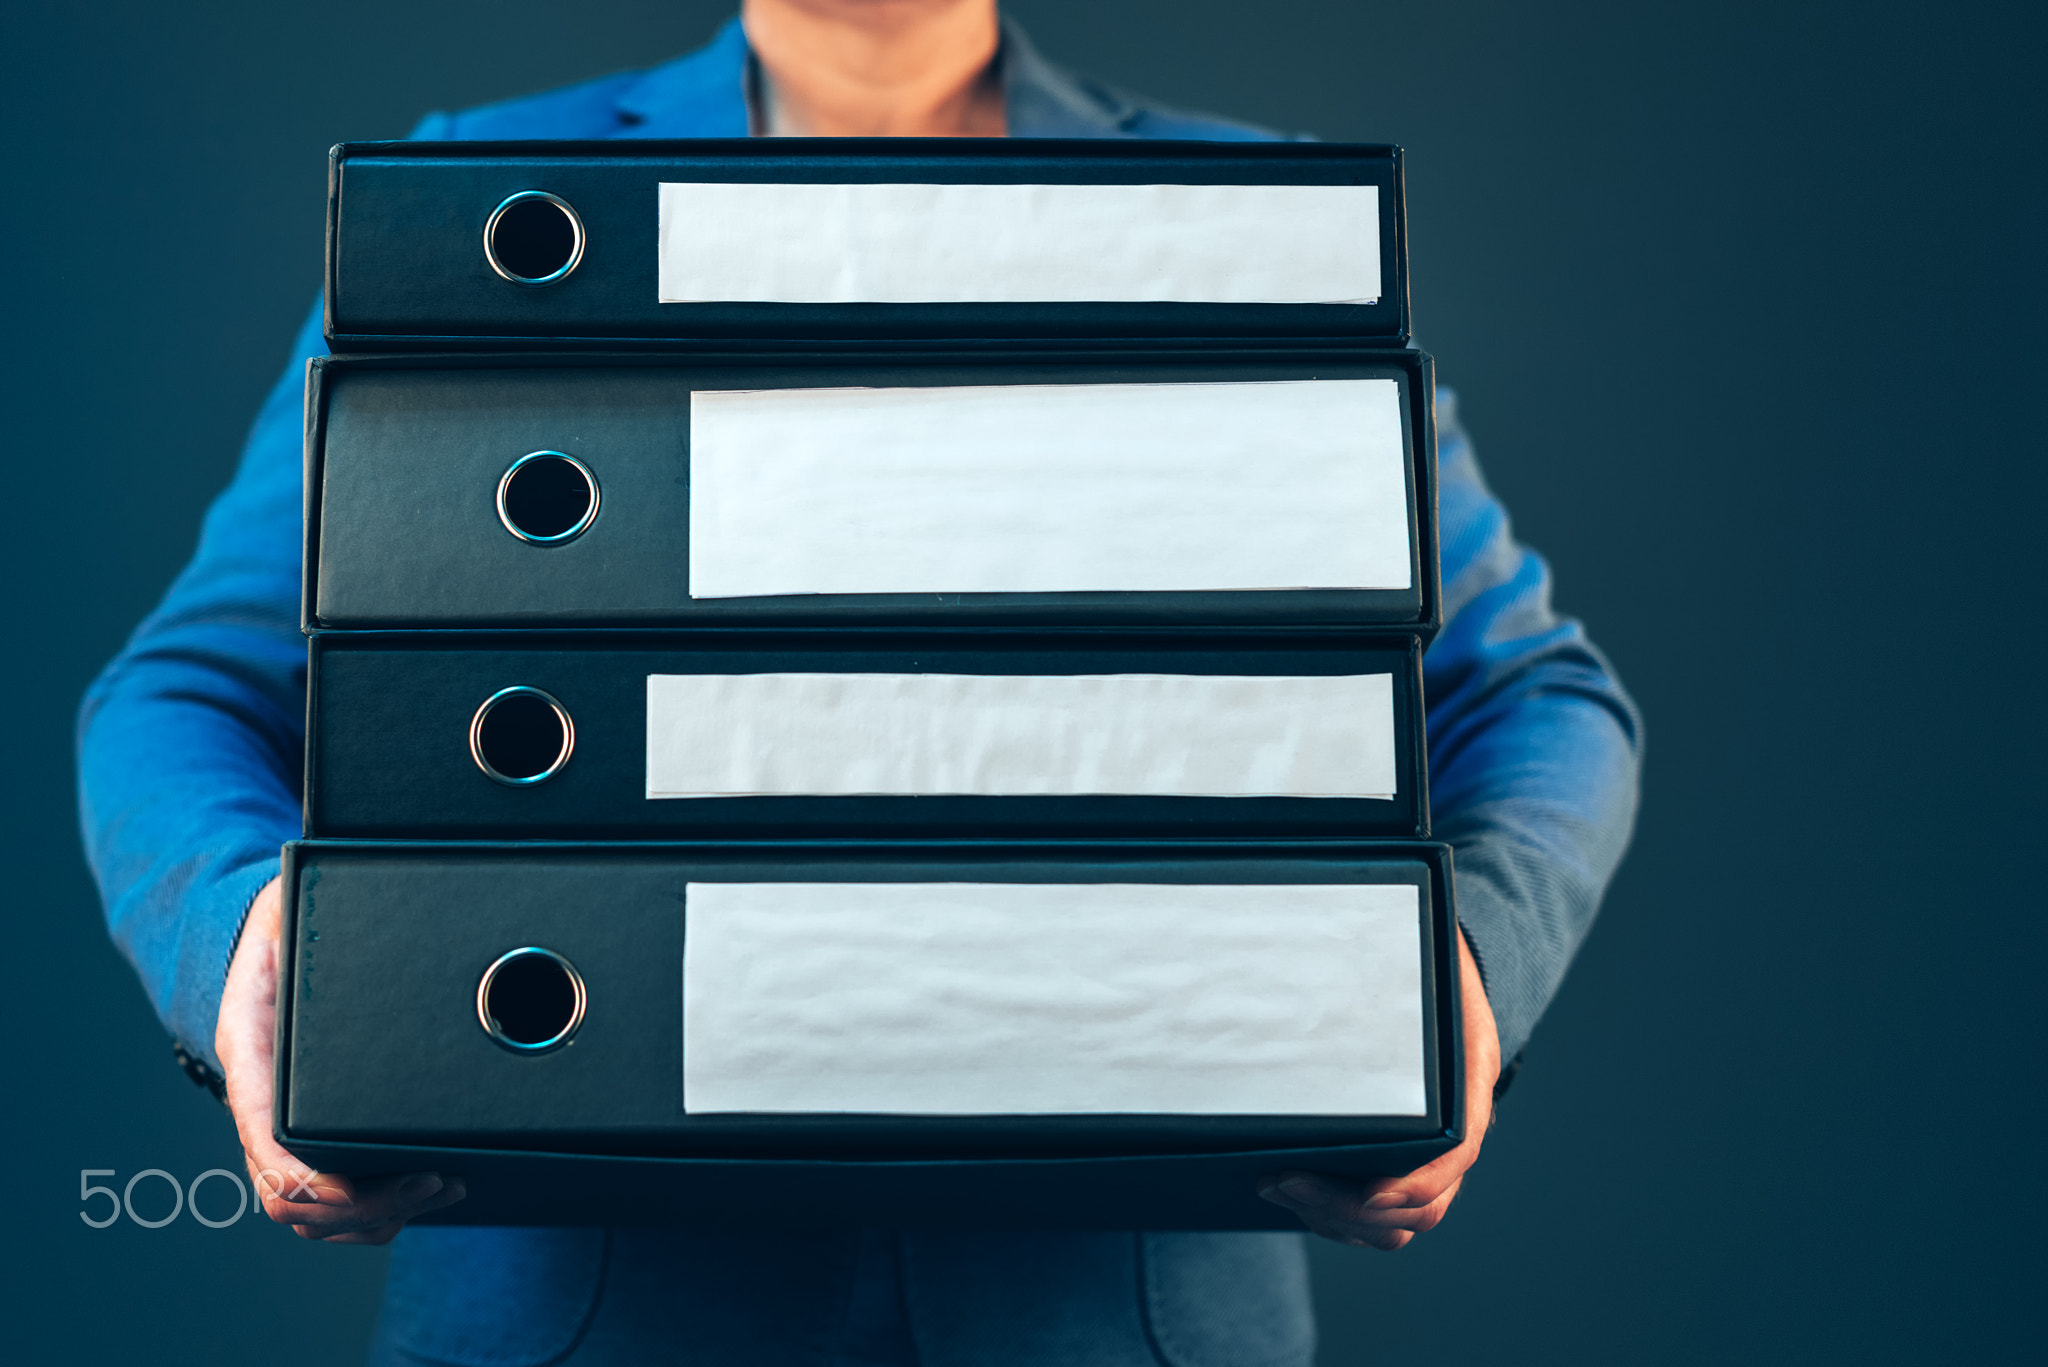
[(877, 68)]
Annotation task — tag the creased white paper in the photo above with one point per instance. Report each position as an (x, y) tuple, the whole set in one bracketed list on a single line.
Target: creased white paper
[(739, 735), (1049, 488), (994, 998), (962, 244)]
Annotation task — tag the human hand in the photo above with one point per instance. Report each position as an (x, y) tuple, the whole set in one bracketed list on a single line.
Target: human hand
[(319, 1205), (1386, 1212)]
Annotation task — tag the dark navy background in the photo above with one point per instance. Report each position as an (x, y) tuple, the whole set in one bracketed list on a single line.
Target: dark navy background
[(1744, 305)]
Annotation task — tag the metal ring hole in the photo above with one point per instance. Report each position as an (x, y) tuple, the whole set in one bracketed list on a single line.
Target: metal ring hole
[(531, 1000), (534, 238), (521, 736), (547, 498)]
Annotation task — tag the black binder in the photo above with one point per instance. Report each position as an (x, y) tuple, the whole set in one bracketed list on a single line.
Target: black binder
[(492, 245), (455, 735), (407, 1043), (411, 461)]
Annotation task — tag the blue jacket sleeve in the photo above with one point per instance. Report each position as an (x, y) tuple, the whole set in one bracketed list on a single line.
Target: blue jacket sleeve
[(1534, 750), (190, 742)]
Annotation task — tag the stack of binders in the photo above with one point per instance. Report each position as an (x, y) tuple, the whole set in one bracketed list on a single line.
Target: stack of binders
[(868, 682)]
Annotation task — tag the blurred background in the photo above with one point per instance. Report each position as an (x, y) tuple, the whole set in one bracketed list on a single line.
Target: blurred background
[(1743, 304)]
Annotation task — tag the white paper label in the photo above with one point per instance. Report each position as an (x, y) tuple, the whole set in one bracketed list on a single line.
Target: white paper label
[(1189, 735), (1049, 488), (1000, 998), (964, 244)]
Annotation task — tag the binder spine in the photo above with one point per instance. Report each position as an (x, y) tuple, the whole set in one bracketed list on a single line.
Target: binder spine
[(398, 745), (408, 230), (530, 1129), (414, 544)]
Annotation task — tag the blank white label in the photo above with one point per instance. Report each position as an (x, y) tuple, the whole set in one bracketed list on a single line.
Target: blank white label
[(1001, 998), (1049, 488), (965, 244), (1189, 735)]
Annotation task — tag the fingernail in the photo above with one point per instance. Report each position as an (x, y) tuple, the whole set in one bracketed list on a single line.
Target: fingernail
[(1386, 1200), (419, 1186), (1300, 1188)]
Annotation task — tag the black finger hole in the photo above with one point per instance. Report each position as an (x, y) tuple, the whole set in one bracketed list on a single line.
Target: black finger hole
[(533, 238), (547, 498), (521, 736), (531, 1000)]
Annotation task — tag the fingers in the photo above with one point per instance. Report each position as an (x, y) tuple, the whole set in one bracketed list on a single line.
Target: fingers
[(379, 1209), (1427, 1183), (287, 1189), (1354, 1212), (1334, 1200)]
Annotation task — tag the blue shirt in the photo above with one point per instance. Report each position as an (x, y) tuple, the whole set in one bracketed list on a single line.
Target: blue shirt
[(191, 740)]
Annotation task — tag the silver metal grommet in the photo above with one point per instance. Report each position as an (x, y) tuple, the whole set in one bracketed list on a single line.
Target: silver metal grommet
[(531, 1000), (534, 238), (521, 736), (547, 498)]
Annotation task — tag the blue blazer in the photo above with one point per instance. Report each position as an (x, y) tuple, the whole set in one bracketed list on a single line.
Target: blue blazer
[(190, 742)]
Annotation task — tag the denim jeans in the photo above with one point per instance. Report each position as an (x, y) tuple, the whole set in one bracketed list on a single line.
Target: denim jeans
[(593, 1298)]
